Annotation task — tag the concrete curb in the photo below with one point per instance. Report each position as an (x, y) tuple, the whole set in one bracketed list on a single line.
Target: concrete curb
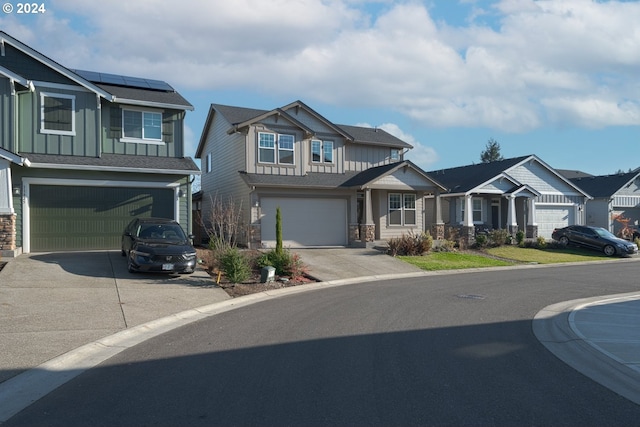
[(555, 327)]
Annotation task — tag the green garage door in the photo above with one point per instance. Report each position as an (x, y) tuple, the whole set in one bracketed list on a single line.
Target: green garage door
[(65, 218)]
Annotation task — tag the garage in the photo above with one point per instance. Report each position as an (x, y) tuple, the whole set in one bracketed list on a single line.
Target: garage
[(305, 221), (70, 218), (550, 217)]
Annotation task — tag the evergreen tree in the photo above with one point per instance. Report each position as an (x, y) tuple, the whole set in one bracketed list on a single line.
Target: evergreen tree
[(491, 152), (279, 248)]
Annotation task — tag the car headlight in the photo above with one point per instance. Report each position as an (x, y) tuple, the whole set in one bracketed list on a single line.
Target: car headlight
[(189, 256), (141, 254)]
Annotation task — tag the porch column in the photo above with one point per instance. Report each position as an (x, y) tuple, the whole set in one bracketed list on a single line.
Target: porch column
[(532, 225), (437, 228), (368, 229), (512, 221), (467, 221)]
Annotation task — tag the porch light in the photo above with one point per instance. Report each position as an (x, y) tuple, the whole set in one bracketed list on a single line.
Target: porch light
[(16, 190)]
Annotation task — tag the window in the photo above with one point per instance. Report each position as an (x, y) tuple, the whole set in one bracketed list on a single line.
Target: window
[(208, 163), (58, 114), (477, 215), (321, 151), (141, 125), (285, 149), (395, 155), (267, 148), (402, 209), (316, 148)]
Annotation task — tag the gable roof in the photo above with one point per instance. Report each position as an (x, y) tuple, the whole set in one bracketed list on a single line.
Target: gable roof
[(368, 176), (114, 88), (12, 157), (606, 185), (464, 179), (571, 174), (239, 117)]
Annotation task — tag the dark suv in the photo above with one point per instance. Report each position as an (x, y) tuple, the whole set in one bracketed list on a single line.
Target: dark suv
[(158, 245)]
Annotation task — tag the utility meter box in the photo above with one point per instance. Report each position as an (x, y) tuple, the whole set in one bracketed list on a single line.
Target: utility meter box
[(267, 274)]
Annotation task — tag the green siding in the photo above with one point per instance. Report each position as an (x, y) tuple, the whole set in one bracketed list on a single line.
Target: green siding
[(84, 143), (5, 114), (86, 218)]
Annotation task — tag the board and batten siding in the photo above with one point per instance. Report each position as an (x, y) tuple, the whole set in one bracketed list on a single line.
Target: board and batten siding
[(6, 115), (83, 143), (360, 157), (111, 118)]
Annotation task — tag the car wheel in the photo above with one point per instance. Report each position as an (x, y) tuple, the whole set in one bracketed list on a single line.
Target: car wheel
[(609, 250), (564, 240)]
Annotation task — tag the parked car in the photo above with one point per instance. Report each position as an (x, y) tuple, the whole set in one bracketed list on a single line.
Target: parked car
[(594, 238), (158, 245)]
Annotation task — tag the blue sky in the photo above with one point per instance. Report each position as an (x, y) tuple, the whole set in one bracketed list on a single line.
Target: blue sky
[(555, 78)]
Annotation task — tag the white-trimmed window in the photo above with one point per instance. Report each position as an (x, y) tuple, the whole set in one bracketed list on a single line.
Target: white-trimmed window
[(57, 114), (285, 149), (402, 209), (272, 147), (395, 155), (321, 151), (478, 212), (141, 126)]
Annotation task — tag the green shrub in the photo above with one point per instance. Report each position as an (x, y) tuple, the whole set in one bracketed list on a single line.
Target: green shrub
[(499, 237), (410, 244), (481, 240), (234, 265), (285, 263), (520, 237), (541, 242)]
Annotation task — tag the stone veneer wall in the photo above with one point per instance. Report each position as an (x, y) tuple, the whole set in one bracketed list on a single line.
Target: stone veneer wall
[(8, 232)]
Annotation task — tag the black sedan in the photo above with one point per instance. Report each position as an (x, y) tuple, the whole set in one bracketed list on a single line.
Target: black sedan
[(594, 238), (158, 245)]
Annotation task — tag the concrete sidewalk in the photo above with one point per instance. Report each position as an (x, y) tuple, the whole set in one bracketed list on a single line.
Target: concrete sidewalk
[(53, 303)]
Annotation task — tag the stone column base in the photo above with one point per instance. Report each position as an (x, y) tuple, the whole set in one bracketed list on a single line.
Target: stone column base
[(255, 236), (8, 232), (354, 234), (367, 232), (467, 236), (532, 231)]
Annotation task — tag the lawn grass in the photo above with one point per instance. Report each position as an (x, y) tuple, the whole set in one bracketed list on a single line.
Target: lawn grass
[(452, 261), (545, 256)]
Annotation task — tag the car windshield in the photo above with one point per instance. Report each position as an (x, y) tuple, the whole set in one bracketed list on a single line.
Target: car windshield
[(167, 232), (604, 233)]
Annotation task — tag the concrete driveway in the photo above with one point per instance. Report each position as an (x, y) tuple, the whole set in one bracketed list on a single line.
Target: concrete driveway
[(55, 302)]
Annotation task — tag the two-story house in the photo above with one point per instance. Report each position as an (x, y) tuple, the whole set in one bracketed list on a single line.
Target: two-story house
[(81, 153), (335, 185)]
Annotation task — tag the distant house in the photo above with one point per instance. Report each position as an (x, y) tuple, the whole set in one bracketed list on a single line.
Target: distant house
[(336, 185), (81, 153), (521, 193), (614, 196)]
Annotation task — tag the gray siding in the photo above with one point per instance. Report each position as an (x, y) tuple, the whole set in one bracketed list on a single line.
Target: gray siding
[(540, 178), (360, 157), (228, 156), (597, 213)]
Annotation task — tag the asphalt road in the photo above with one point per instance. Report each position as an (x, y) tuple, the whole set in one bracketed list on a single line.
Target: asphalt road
[(446, 350)]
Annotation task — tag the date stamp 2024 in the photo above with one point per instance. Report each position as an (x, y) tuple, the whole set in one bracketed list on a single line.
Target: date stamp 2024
[(24, 8)]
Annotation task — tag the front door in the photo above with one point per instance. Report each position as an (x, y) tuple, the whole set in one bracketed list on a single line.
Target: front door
[(495, 214)]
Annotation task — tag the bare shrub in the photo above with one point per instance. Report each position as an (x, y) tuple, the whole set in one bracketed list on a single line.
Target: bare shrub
[(224, 223), (410, 244)]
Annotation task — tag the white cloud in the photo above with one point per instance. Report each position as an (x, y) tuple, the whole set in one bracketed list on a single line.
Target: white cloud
[(572, 62)]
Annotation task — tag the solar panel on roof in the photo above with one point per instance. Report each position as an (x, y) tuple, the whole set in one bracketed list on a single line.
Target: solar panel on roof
[(118, 80)]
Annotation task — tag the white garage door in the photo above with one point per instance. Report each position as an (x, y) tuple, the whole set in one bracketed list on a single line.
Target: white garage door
[(550, 217), (305, 221)]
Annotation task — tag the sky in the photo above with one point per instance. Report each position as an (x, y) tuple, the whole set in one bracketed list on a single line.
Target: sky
[(554, 78)]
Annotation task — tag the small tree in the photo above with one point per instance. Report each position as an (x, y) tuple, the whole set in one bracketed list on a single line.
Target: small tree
[(278, 231), (491, 152)]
